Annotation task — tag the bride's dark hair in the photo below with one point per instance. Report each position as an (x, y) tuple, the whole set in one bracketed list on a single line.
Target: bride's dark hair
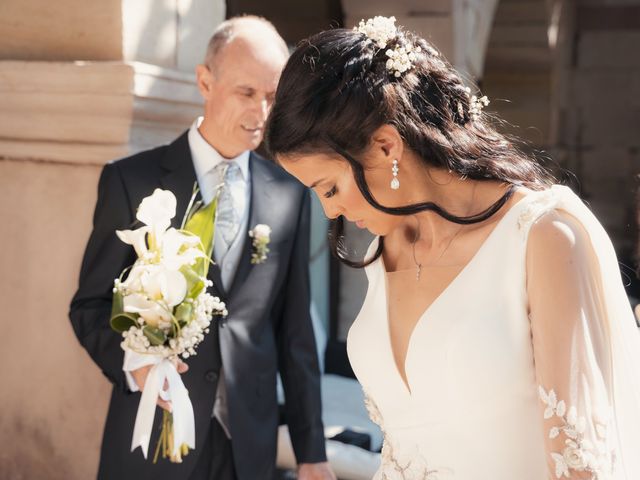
[(336, 91)]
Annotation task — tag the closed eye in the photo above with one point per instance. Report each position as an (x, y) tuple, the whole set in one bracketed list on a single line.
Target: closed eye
[(331, 192), (246, 92)]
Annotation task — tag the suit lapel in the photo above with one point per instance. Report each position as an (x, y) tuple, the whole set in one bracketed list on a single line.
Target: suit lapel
[(179, 179), (261, 177)]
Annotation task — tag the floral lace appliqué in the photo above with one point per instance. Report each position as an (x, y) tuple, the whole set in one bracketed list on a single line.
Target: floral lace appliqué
[(397, 465), (535, 208), (580, 454)]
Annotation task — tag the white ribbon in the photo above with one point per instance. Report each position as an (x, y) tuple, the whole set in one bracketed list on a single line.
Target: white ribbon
[(176, 393)]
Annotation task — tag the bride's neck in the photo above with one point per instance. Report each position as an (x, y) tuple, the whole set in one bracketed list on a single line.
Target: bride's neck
[(446, 189)]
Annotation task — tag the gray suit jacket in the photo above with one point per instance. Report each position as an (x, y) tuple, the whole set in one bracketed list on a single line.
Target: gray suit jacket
[(268, 327)]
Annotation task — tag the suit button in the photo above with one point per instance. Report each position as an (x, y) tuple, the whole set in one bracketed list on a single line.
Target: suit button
[(211, 376)]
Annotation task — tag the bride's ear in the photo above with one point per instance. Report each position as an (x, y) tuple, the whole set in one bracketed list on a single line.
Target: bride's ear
[(387, 143)]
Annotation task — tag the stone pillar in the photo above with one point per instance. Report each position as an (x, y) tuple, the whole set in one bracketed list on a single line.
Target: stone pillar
[(81, 83)]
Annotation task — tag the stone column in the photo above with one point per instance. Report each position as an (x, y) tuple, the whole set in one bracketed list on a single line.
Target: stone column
[(81, 83)]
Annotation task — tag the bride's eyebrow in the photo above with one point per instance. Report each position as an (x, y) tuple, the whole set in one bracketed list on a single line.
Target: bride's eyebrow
[(317, 182)]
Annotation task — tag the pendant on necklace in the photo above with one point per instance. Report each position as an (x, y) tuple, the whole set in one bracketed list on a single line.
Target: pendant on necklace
[(418, 271)]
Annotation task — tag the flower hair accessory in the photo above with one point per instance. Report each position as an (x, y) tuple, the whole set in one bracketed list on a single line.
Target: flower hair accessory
[(476, 104), (379, 29), (401, 59), (382, 30), (261, 235)]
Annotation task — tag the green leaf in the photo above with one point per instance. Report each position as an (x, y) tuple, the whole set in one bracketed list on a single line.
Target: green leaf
[(184, 312), (202, 224), (121, 322), (155, 335), (194, 281), (192, 206), (117, 304)]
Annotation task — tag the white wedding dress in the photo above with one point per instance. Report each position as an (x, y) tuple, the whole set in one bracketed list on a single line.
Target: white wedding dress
[(493, 394)]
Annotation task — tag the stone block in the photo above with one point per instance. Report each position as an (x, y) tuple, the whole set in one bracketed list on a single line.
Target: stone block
[(607, 88), (520, 13), (607, 165), (151, 81), (517, 58), (437, 30), (91, 112), (609, 126), (64, 30), (608, 3), (355, 10), (65, 127), (65, 77), (608, 49), (515, 35), (61, 152), (146, 134)]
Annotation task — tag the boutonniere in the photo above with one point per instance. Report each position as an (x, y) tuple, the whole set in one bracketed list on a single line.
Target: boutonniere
[(261, 235)]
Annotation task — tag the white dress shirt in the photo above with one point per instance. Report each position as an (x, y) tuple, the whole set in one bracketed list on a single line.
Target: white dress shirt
[(205, 159)]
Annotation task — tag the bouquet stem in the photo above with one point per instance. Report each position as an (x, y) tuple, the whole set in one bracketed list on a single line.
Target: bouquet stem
[(165, 441)]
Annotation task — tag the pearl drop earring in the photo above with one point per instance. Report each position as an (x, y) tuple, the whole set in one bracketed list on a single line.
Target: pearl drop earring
[(395, 183)]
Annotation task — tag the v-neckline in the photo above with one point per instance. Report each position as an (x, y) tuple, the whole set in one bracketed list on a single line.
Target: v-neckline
[(407, 384)]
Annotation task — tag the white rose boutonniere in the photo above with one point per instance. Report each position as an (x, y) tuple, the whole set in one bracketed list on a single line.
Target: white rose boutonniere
[(261, 235)]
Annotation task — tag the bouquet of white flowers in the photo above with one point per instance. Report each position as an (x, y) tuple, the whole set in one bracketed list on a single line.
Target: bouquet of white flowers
[(163, 311)]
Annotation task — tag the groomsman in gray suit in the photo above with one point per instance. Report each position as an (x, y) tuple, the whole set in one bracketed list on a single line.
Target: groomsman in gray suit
[(232, 380)]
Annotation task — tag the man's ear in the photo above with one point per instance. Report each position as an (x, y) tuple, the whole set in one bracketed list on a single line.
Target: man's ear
[(204, 78)]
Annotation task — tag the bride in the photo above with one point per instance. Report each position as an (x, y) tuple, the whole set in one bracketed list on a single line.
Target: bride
[(495, 341)]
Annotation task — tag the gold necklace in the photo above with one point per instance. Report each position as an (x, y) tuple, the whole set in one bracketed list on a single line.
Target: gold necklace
[(415, 260)]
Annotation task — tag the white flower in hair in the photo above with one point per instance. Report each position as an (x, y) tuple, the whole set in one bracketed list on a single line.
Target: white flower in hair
[(476, 105), (401, 59), (379, 29)]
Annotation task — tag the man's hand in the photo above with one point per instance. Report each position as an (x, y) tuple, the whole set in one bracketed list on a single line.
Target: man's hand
[(140, 376), (315, 471)]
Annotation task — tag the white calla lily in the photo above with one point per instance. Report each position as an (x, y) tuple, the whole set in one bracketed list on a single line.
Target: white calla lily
[(174, 253), (137, 238), (157, 210), (174, 287), (133, 281), (164, 285), (151, 312)]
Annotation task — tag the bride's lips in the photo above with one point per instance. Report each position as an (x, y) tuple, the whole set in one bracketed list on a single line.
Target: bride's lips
[(360, 223)]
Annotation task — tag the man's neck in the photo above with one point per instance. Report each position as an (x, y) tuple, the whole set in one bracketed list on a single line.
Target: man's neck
[(211, 139)]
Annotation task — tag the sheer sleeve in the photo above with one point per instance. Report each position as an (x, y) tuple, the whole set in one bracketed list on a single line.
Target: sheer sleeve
[(572, 344)]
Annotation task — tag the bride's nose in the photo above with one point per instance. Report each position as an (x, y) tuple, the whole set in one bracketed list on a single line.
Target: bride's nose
[(332, 211)]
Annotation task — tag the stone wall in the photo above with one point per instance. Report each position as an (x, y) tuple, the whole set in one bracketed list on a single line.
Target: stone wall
[(81, 83)]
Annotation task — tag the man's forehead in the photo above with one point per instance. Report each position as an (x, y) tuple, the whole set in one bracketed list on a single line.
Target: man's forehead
[(257, 39), (246, 65)]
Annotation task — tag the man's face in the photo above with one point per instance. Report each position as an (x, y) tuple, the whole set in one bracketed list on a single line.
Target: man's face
[(239, 90)]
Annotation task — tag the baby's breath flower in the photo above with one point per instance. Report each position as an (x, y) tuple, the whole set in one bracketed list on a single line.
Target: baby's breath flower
[(379, 29)]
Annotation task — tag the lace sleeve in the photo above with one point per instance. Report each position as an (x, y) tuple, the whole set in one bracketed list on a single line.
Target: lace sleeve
[(572, 351)]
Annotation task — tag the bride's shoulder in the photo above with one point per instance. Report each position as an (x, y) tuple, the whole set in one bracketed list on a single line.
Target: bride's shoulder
[(557, 237), (556, 228), (533, 205)]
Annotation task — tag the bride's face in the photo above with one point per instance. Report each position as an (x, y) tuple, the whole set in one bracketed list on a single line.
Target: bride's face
[(332, 180)]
